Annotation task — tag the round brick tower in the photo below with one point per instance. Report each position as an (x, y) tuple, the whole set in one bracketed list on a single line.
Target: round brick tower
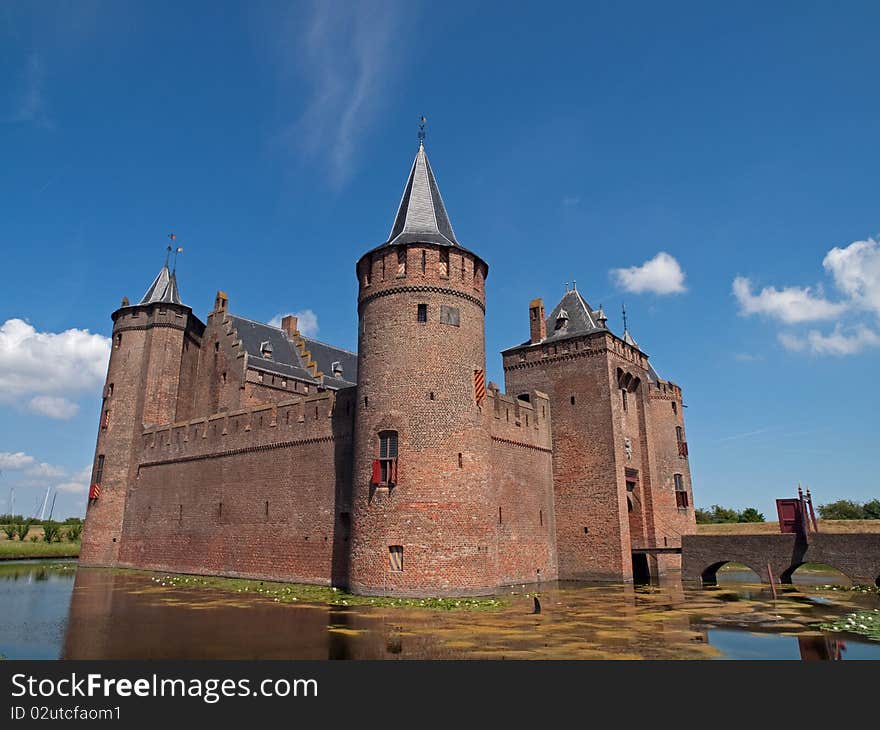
[(424, 521), (147, 360)]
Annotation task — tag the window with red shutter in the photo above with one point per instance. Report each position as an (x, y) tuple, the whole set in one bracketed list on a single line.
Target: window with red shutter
[(387, 461)]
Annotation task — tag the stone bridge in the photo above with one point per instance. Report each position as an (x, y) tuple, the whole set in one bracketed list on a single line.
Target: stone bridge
[(857, 556)]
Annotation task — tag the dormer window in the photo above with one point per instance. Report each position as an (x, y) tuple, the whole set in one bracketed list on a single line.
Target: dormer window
[(336, 369), (561, 319), (266, 350)]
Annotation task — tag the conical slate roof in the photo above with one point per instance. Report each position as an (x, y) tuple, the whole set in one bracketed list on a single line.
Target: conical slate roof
[(163, 290), (421, 216)]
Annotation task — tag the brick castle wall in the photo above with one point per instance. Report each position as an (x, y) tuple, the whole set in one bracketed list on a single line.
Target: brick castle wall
[(261, 493)]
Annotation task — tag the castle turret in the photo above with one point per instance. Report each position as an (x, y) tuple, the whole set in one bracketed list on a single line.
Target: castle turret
[(423, 519), (154, 349)]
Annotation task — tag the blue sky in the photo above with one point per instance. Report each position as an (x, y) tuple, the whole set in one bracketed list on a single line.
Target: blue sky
[(715, 168)]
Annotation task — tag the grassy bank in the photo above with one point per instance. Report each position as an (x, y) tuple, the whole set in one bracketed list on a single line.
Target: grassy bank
[(295, 592), (16, 550), (770, 528)]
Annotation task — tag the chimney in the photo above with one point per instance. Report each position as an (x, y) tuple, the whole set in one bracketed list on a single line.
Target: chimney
[(289, 324), (537, 325), (221, 302)]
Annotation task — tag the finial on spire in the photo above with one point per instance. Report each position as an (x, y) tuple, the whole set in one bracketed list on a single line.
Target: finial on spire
[(173, 249), (422, 121), (623, 308), (574, 284), (566, 287)]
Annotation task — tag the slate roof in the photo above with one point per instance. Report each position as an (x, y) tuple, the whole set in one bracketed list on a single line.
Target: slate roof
[(421, 216), (286, 360), (163, 290), (571, 317)]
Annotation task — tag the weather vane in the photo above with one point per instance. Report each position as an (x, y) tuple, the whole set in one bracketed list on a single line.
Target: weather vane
[(623, 309), (422, 121), (173, 249)]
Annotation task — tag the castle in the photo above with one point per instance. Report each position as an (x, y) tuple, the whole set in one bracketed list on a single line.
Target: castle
[(232, 447)]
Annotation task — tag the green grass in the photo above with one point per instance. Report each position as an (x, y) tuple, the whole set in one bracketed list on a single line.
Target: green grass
[(294, 592), (16, 550)]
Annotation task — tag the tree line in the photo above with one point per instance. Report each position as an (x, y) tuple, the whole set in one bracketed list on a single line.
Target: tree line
[(842, 509)]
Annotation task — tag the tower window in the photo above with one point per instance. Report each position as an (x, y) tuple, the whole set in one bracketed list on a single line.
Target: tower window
[(460, 460), (674, 407), (105, 420), (681, 495), (572, 400), (395, 558), (385, 467), (424, 260), (99, 470), (623, 395), (118, 340), (422, 315), (679, 434)]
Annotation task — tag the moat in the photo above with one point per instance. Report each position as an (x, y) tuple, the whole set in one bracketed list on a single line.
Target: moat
[(54, 610)]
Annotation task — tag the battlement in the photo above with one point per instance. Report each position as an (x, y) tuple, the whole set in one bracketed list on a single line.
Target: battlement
[(517, 420), (326, 415), (665, 390)]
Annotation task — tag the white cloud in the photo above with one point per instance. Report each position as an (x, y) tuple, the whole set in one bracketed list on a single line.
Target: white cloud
[(856, 272), (16, 460), (61, 365), (748, 357), (307, 321), (345, 53), (791, 305), (54, 407), (839, 342), (78, 483), (659, 275), (45, 471)]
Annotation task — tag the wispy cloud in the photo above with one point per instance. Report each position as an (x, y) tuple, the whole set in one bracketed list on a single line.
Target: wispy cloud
[(29, 104), (346, 56)]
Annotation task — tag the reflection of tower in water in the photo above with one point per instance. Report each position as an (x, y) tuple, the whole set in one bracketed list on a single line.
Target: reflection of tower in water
[(822, 648)]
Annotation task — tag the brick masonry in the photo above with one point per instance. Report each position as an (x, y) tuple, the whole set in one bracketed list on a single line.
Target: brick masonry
[(857, 556), (211, 466)]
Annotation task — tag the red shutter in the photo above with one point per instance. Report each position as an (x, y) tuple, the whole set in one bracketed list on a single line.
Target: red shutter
[(377, 471), (94, 491)]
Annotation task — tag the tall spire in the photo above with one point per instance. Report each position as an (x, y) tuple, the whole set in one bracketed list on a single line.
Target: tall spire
[(163, 290), (421, 216)]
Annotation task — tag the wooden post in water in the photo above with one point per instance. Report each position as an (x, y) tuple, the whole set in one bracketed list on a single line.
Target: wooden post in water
[(772, 585)]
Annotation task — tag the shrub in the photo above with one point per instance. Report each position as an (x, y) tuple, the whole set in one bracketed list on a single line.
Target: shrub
[(74, 531), (51, 531), (23, 529), (10, 531), (842, 509)]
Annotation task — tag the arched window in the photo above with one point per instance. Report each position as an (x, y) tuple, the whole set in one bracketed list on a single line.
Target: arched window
[(385, 467)]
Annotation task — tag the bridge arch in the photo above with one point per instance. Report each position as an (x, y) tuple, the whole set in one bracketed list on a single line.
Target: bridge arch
[(787, 575), (709, 575)]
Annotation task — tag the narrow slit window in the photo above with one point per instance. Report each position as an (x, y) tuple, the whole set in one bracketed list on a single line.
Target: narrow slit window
[(99, 470), (422, 313), (395, 558)]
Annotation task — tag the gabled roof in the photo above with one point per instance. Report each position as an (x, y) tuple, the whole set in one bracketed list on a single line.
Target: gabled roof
[(163, 290), (286, 360), (421, 216)]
